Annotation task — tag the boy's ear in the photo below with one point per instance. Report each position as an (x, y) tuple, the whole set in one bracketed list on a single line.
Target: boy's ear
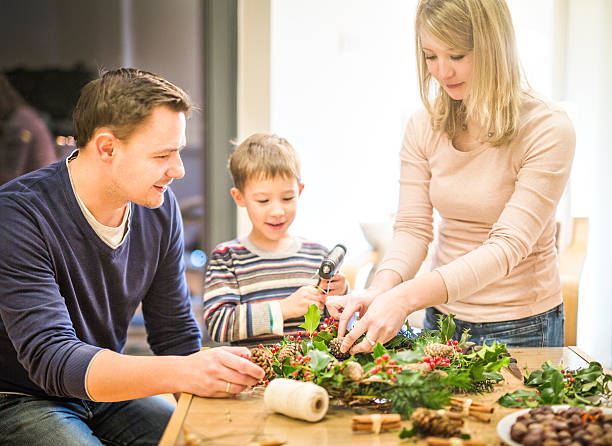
[(300, 189), (237, 196)]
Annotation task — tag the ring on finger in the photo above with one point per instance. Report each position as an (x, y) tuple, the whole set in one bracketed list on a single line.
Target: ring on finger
[(227, 387), (371, 342)]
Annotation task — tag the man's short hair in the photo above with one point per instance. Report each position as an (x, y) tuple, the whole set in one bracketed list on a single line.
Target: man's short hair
[(263, 156), (121, 100)]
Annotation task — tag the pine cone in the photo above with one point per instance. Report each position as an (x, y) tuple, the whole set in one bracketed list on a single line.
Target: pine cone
[(260, 357), (334, 349), (435, 423), (288, 351), (353, 371), (444, 351)]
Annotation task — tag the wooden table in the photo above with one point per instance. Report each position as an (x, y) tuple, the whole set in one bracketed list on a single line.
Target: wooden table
[(244, 420)]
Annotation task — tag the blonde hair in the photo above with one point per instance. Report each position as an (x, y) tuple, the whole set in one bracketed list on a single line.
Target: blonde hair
[(263, 156), (485, 28)]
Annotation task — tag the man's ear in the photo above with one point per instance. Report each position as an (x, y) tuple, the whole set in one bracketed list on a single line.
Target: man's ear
[(237, 196), (105, 144)]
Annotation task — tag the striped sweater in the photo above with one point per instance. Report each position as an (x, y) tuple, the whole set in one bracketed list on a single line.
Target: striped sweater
[(244, 284)]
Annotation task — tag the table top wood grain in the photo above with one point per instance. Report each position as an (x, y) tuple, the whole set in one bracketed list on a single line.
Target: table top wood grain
[(244, 420)]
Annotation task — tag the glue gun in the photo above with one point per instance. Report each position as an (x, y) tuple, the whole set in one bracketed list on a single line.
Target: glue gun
[(331, 263)]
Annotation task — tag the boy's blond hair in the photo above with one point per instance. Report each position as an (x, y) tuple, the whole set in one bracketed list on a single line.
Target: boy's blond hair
[(263, 156), (484, 27)]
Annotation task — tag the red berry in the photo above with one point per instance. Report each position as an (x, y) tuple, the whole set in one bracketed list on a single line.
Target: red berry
[(385, 356), (291, 338), (392, 362), (572, 380), (458, 349), (260, 345), (379, 360)]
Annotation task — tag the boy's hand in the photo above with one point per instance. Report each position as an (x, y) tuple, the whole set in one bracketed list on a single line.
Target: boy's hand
[(338, 285), (297, 303)]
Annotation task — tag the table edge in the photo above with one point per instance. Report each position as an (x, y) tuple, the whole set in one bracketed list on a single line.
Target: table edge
[(177, 419)]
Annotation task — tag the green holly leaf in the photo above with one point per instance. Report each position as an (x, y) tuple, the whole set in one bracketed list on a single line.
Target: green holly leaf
[(320, 345), (324, 336), (312, 318), (405, 433), (520, 398), (409, 356), (447, 327), (552, 389), (378, 350), (319, 360)]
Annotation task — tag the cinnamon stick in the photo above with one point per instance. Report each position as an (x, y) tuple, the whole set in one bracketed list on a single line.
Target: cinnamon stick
[(368, 427), (385, 418), (474, 405), (436, 441), (480, 417)]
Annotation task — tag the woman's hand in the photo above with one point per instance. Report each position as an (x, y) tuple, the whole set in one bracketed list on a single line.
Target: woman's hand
[(344, 307), (388, 311), (382, 320)]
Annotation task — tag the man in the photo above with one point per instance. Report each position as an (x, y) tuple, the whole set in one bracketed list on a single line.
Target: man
[(84, 242)]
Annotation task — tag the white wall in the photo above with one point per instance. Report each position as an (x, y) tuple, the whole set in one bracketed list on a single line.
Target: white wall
[(342, 87), (589, 76)]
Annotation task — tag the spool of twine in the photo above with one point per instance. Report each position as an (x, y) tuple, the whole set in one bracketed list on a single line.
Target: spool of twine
[(301, 400)]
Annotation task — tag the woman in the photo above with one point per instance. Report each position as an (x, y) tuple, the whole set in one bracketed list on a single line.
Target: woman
[(492, 157), (25, 141)]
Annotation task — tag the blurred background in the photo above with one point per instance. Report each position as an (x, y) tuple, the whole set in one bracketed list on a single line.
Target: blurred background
[(337, 79)]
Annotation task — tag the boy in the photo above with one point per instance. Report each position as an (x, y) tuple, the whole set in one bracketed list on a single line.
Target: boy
[(258, 287), (84, 241)]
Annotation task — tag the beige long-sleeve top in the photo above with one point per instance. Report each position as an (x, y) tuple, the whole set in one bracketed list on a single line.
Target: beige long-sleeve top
[(495, 244)]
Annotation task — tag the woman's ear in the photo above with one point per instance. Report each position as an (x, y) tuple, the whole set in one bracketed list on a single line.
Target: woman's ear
[(237, 196)]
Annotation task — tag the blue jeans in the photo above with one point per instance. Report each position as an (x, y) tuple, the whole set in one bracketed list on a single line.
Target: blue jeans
[(541, 330), (34, 421)]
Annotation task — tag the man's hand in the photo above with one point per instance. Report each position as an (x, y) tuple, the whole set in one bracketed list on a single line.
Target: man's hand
[(297, 303), (116, 377), (220, 372)]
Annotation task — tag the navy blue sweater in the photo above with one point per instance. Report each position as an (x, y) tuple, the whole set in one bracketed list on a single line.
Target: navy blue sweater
[(65, 294)]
